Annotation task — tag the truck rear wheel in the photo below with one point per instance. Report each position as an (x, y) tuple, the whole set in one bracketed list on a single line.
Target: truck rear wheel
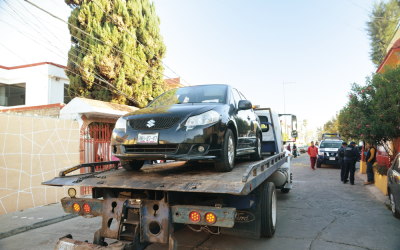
[(268, 209), (227, 161), (134, 165)]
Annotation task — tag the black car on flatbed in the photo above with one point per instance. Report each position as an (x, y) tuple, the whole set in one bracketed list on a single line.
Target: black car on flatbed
[(199, 123), (327, 153)]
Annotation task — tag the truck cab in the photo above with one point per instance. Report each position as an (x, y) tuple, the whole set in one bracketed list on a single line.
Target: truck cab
[(329, 145)]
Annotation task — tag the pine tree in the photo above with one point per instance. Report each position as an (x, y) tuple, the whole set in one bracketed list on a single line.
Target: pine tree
[(381, 27), (132, 77)]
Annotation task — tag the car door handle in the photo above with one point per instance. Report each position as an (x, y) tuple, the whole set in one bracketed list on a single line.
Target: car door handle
[(248, 118)]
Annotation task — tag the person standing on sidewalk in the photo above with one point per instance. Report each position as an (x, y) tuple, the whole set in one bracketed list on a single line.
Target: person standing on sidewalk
[(371, 156), (351, 156), (312, 152), (340, 154), (294, 150)]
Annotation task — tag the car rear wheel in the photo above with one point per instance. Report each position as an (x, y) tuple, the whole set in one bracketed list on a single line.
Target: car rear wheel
[(227, 161), (134, 165), (393, 205), (258, 154)]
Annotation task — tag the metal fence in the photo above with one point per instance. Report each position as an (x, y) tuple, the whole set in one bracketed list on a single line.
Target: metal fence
[(97, 146)]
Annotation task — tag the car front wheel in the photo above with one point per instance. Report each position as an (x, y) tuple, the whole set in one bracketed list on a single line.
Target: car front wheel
[(227, 161), (393, 205), (134, 165)]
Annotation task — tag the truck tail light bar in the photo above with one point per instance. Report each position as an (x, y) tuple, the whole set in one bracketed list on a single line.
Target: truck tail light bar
[(82, 206)]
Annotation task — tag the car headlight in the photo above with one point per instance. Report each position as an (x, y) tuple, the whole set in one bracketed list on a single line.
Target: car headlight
[(203, 119), (321, 153), (120, 124)]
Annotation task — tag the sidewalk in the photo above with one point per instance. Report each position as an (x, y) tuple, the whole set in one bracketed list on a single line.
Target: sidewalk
[(376, 193), (22, 221)]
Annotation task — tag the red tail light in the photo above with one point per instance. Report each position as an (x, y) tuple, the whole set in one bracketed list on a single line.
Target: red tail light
[(194, 216), (86, 208)]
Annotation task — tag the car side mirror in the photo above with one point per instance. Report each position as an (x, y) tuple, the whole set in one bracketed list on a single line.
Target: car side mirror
[(244, 104)]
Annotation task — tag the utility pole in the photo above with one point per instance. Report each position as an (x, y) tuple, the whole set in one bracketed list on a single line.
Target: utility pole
[(284, 103)]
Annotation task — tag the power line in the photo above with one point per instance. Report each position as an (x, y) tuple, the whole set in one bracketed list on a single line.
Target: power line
[(360, 6), (75, 63), (115, 48), (137, 40)]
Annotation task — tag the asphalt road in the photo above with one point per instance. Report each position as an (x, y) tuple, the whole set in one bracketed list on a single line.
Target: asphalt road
[(319, 213)]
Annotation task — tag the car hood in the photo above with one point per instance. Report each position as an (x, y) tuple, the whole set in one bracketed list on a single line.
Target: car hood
[(177, 110)]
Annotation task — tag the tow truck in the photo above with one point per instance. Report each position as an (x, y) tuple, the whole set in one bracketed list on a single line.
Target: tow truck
[(147, 206)]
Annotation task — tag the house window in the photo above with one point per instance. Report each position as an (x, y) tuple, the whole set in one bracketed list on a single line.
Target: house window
[(67, 98), (12, 94)]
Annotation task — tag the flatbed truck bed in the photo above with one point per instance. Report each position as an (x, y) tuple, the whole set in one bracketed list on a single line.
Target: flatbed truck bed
[(149, 204)]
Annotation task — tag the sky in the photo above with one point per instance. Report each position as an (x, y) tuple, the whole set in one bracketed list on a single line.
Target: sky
[(317, 47)]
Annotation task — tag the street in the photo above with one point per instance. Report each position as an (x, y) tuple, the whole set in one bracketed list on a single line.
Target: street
[(319, 213)]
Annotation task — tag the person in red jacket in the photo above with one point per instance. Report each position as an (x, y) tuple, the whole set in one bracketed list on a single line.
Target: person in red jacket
[(313, 153)]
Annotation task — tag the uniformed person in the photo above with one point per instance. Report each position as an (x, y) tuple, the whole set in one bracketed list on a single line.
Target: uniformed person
[(340, 154), (351, 156)]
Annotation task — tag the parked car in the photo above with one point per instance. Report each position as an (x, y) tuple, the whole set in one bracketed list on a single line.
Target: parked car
[(198, 123), (303, 149), (327, 152), (393, 187)]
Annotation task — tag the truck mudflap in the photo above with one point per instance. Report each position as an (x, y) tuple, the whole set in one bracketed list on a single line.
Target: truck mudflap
[(66, 243)]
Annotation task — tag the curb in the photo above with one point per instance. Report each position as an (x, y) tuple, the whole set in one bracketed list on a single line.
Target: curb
[(36, 225)]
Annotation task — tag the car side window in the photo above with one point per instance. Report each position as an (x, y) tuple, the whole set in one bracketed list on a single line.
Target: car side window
[(236, 96), (232, 100)]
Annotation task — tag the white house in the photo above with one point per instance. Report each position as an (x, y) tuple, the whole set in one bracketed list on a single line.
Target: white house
[(33, 85)]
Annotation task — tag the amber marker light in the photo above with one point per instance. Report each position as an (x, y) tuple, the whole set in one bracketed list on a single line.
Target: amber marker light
[(211, 218), (194, 216), (76, 207), (86, 208)]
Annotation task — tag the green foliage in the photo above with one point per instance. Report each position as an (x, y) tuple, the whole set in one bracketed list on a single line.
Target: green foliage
[(381, 28), (95, 58), (372, 113), (380, 168)]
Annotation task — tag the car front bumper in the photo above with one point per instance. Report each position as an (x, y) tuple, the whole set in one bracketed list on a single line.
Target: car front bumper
[(323, 159), (176, 143)]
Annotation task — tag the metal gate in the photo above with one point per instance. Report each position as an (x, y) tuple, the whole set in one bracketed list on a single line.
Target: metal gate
[(97, 148)]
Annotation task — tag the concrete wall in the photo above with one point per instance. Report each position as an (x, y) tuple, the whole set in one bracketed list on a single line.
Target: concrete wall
[(33, 150)]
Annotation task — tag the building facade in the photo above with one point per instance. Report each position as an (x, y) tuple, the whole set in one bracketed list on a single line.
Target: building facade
[(33, 85)]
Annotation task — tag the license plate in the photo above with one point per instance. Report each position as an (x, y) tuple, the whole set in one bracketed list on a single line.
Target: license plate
[(331, 158), (148, 138)]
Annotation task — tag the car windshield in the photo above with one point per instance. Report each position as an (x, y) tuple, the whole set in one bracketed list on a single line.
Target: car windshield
[(195, 94), (333, 144)]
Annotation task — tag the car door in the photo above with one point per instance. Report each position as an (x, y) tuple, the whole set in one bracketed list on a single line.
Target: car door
[(242, 123), (394, 179), (253, 122)]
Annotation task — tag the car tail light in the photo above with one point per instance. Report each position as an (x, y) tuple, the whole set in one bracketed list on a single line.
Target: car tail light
[(211, 218), (194, 216), (76, 207), (86, 208)]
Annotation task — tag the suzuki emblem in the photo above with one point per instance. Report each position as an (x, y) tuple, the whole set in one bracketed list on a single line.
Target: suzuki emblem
[(151, 123)]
